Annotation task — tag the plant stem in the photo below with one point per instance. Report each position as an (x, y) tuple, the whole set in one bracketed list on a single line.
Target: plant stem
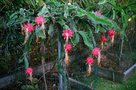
[(44, 78), (60, 87), (61, 71), (121, 49)]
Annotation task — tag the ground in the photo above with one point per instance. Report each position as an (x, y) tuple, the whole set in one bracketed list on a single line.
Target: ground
[(104, 84)]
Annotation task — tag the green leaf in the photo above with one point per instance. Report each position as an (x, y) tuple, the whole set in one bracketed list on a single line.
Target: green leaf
[(73, 25), (28, 43), (124, 19), (97, 19), (40, 33), (102, 2), (43, 11), (97, 29), (14, 15), (75, 39), (81, 12), (66, 12), (62, 23), (86, 39), (26, 63), (122, 34), (33, 3), (51, 29), (92, 36)]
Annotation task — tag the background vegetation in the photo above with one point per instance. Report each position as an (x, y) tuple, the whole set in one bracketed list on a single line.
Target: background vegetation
[(120, 14)]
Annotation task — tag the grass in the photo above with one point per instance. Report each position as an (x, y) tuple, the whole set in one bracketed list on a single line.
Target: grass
[(130, 84), (103, 84)]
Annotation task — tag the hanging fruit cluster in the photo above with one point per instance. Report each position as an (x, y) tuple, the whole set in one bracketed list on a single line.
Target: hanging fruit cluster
[(67, 34), (96, 52), (28, 28)]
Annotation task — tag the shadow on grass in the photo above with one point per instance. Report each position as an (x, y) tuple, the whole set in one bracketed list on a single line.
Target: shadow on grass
[(129, 84)]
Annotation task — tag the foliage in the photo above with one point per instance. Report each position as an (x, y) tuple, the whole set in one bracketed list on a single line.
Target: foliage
[(78, 15), (73, 16)]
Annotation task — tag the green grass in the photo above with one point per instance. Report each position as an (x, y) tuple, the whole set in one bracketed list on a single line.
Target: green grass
[(129, 84), (103, 84), (109, 85)]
